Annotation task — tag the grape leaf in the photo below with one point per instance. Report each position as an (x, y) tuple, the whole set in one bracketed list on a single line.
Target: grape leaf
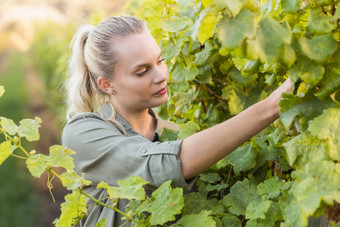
[(242, 159), (241, 194), (188, 129), (167, 202), (327, 127), (194, 220), (291, 6), (305, 148), (73, 209), (171, 50), (194, 202), (168, 135), (9, 126), (230, 220), (270, 41), (207, 28), (235, 6), (329, 83), (177, 24), (319, 181), (319, 48), (5, 151), (287, 204), (258, 208), (232, 31), (60, 156), (319, 22), (182, 73), (2, 91), (272, 187), (101, 223), (71, 180), (210, 177), (37, 164), (130, 188), (29, 128)]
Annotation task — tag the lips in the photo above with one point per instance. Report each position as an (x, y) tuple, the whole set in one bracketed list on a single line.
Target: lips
[(161, 91)]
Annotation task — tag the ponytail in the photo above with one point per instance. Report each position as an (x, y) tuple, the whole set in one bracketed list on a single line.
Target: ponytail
[(80, 86)]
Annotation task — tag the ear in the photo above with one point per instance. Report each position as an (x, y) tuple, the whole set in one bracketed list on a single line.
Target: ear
[(105, 85)]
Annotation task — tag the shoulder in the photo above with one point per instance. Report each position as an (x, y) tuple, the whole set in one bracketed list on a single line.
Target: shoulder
[(87, 124)]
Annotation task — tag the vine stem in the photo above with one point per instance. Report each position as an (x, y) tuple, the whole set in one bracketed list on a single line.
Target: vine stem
[(13, 141), (210, 92), (110, 207)]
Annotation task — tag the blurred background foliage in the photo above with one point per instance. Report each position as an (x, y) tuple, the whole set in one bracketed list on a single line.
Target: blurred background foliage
[(34, 45)]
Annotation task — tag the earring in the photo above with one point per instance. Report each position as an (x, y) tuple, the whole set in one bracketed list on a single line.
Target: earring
[(113, 92)]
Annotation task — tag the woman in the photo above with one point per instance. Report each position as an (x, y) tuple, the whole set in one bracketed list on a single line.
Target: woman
[(117, 76)]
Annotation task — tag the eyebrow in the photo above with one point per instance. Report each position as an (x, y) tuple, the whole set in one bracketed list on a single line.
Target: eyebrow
[(145, 64)]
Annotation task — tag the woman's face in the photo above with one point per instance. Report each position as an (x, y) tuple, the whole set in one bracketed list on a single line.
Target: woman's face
[(140, 77)]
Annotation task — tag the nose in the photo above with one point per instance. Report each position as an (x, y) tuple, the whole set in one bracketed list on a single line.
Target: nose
[(160, 74)]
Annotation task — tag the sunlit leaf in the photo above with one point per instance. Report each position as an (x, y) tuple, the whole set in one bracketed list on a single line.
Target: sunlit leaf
[(30, 129), (194, 220), (5, 151), (167, 202), (188, 129)]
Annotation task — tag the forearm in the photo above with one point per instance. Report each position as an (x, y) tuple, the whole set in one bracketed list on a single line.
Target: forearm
[(205, 148)]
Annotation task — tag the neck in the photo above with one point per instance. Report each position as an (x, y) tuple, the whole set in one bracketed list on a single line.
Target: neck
[(140, 121)]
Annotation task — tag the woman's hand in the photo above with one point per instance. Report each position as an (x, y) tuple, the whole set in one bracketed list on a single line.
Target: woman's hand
[(274, 98)]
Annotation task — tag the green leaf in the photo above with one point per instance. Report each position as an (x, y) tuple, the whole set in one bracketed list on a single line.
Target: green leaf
[(171, 50), (168, 135), (320, 23), (176, 24), (308, 71), (72, 210), (319, 182), (101, 223), (235, 6), (272, 187), (29, 128), (167, 202), (188, 129), (258, 208), (195, 202), (291, 6), (319, 48), (230, 220), (305, 148), (130, 188), (2, 91), (5, 151), (60, 156), (9, 126), (327, 127), (241, 194), (194, 220), (207, 28), (329, 83), (37, 164), (291, 212), (210, 177), (294, 106), (71, 180), (270, 41), (232, 31), (242, 159), (184, 74), (202, 56)]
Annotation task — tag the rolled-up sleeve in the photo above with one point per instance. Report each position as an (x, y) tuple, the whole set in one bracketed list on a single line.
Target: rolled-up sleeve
[(104, 154)]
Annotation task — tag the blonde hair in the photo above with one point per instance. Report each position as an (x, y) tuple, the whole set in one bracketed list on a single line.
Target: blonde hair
[(94, 55)]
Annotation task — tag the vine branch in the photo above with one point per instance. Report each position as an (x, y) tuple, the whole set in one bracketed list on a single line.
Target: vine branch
[(210, 92)]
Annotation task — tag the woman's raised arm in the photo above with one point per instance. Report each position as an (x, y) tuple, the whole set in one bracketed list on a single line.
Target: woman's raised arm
[(205, 148)]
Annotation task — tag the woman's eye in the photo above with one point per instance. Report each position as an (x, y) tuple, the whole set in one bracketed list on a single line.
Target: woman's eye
[(142, 73), (163, 59)]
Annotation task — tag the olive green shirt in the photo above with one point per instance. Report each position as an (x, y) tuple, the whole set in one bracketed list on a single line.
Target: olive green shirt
[(104, 153)]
